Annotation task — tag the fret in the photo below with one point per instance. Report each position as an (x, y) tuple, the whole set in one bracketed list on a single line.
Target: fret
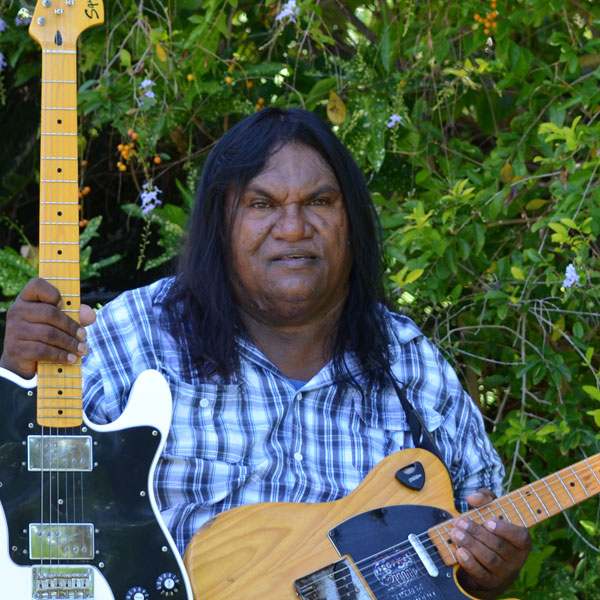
[(63, 203), (560, 506), (592, 470), (59, 181), (72, 224), (528, 506), (59, 51), (59, 158), (60, 262), (503, 511), (62, 278), (573, 501), (60, 133), (61, 243), (58, 108), (58, 81)]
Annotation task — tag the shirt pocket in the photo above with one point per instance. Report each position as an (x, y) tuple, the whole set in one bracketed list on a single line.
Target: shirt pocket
[(210, 422)]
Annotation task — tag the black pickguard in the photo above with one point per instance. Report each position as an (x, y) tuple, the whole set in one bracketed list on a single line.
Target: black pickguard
[(396, 574), (131, 548)]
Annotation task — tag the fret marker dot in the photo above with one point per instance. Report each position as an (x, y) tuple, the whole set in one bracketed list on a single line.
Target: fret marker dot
[(572, 484), (59, 121), (60, 392), (59, 170), (539, 511), (60, 369), (68, 303), (60, 412), (59, 252), (501, 517), (59, 213)]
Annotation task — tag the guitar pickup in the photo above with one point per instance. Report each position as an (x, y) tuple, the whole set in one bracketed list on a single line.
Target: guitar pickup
[(59, 453), (68, 541)]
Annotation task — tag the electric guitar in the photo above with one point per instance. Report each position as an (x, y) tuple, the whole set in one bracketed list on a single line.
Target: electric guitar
[(78, 515), (387, 540)]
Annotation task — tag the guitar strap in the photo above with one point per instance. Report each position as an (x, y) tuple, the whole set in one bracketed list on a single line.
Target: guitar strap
[(421, 437)]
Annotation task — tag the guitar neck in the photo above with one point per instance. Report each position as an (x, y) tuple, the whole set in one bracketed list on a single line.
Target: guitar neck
[(530, 504), (59, 386)]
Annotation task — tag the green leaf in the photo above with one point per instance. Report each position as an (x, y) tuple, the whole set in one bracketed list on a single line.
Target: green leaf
[(517, 273), (592, 391)]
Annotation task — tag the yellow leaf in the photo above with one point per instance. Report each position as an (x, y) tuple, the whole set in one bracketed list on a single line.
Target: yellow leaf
[(414, 275), (336, 109), (557, 328), (517, 273), (160, 53), (506, 173), (535, 204)]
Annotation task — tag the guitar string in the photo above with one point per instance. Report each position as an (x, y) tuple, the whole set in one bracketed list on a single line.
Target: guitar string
[(405, 546)]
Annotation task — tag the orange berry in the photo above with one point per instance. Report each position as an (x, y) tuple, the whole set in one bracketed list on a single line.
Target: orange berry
[(477, 17), (120, 147), (228, 79), (83, 222), (190, 77), (486, 31), (129, 131), (249, 84), (122, 168), (261, 100), (79, 207), (486, 24), (257, 106), (135, 136), (157, 160), (79, 194), (494, 25), (84, 163), (86, 190)]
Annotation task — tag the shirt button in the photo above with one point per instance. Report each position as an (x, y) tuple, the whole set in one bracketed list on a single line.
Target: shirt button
[(298, 456), (204, 402), (299, 396)]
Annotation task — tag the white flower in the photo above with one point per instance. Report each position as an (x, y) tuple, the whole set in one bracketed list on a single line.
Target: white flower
[(146, 89), (289, 10), (149, 197), (395, 120)]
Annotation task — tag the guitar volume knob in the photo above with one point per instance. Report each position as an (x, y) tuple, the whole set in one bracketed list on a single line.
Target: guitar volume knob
[(167, 584), (137, 593)]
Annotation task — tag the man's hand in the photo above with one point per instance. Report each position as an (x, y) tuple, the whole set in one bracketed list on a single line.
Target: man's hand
[(37, 329), (491, 555)]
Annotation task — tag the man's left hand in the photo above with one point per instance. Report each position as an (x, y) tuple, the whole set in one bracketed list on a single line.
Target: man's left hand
[(492, 554)]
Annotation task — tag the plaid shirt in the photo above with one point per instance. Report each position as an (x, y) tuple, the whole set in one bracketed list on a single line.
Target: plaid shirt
[(257, 439)]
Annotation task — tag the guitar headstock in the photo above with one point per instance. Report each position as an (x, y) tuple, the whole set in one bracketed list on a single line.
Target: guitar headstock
[(56, 24)]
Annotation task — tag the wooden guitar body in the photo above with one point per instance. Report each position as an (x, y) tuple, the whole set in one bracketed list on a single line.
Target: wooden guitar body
[(94, 503), (284, 551)]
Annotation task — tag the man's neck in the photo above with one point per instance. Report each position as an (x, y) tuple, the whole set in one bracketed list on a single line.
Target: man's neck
[(298, 351)]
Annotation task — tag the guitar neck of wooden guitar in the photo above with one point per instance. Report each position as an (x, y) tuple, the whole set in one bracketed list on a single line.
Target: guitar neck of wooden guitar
[(530, 504), (59, 400)]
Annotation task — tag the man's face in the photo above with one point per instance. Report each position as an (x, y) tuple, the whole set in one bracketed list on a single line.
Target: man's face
[(290, 252)]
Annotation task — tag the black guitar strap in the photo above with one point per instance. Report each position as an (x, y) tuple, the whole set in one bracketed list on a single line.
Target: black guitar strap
[(421, 437)]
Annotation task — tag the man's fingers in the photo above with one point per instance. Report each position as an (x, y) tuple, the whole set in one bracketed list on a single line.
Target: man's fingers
[(86, 315), (39, 290), (518, 537)]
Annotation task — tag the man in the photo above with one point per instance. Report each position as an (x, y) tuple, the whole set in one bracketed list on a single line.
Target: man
[(278, 348)]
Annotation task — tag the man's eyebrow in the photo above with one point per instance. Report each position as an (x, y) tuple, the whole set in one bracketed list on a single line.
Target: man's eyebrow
[(324, 189)]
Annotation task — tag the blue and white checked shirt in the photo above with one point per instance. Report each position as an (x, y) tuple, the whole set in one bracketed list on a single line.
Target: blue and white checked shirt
[(259, 439)]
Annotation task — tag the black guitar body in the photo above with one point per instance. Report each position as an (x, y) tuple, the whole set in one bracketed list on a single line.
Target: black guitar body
[(101, 517)]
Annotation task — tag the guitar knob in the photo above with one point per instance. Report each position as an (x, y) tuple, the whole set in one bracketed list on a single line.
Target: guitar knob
[(137, 593), (167, 584)]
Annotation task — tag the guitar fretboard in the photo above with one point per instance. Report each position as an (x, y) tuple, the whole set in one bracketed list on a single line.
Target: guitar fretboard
[(59, 401), (530, 504)]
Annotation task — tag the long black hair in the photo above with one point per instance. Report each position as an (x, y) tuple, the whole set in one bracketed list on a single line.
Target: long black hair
[(201, 306)]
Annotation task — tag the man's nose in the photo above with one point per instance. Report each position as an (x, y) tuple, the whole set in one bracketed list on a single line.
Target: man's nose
[(292, 223)]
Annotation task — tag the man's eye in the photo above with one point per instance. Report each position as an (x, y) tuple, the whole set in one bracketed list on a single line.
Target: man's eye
[(259, 204), (319, 201)]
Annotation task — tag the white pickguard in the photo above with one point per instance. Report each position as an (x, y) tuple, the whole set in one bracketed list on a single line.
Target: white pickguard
[(149, 404)]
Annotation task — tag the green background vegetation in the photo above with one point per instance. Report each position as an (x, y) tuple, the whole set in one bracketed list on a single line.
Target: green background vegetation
[(487, 185)]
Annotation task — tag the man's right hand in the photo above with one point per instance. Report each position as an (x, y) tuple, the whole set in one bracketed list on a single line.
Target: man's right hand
[(38, 330)]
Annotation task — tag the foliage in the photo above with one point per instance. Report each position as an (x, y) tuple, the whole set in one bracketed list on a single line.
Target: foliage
[(476, 125)]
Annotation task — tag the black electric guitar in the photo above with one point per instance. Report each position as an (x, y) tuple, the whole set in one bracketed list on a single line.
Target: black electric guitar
[(387, 540), (78, 516)]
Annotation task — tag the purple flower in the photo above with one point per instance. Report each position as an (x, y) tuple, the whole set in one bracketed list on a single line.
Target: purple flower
[(146, 89), (571, 277), (23, 17), (3, 62), (289, 10), (3, 25), (149, 197), (395, 120)]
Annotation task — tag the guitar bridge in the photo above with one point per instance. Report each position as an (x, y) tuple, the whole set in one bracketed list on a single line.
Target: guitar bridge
[(62, 583), (337, 581)]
